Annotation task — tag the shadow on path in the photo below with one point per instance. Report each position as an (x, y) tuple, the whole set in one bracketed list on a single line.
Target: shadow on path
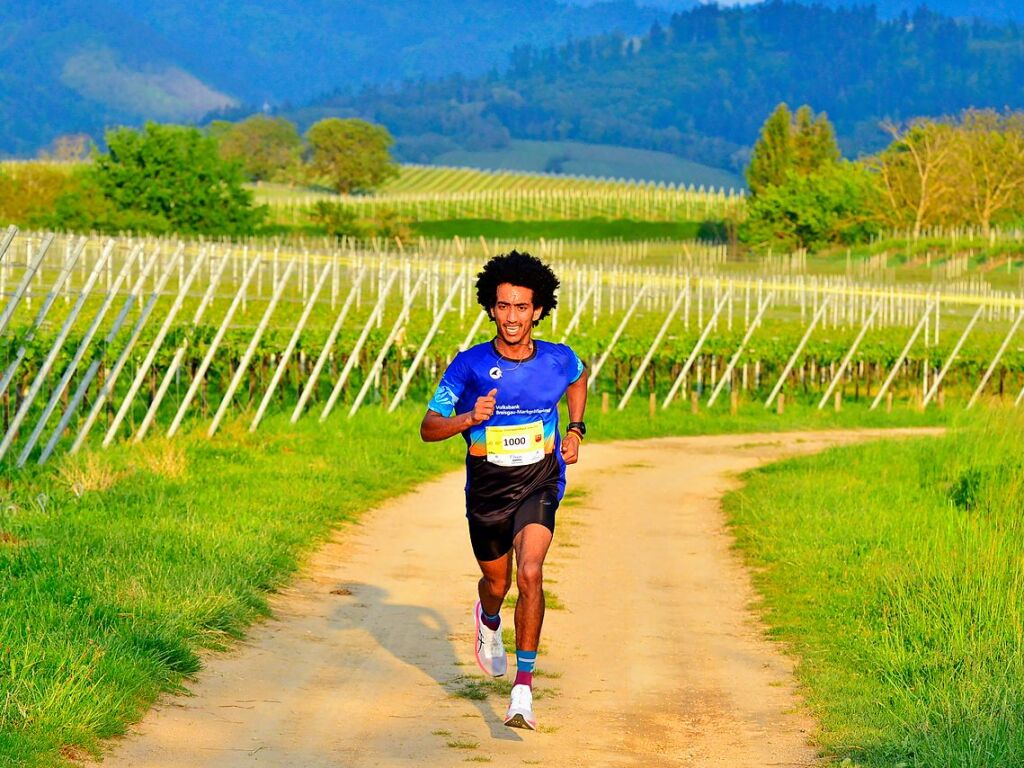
[(417, 636)]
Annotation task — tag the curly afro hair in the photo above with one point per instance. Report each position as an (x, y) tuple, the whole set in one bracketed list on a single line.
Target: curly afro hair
[(520, 269)]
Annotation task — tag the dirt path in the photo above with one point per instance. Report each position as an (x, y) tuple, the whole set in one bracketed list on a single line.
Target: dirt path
[(655, 659)]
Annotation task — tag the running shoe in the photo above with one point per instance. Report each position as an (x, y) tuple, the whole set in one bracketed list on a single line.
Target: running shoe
[(520, 709), (490, 647)]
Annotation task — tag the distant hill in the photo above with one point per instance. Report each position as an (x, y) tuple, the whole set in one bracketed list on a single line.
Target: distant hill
[(990, 10), (701, 85), (76, 66)]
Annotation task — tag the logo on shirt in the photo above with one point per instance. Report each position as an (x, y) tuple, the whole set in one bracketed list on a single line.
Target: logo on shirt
[(495, 372)]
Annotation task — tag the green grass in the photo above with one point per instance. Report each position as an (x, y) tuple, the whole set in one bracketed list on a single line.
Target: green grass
[(800, 414), (894, 573), (118, 568), (481, 688), (575, 229), (462, 744)]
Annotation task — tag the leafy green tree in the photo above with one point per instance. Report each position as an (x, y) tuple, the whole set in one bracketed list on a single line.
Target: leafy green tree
[(265, 147), (352, 155), (837, 204), (341, 221), (172, 177), (772, 157), (801, 143), (814, 141)]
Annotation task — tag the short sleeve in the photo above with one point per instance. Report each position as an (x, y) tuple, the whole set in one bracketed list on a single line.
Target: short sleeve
[(448, 392), (574, 366)]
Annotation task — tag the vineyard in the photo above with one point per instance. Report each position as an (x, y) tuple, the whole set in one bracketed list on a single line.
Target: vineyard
[(424, 193), (106, 340)]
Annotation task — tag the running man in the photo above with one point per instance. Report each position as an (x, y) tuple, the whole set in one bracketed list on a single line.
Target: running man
[(503, 396)]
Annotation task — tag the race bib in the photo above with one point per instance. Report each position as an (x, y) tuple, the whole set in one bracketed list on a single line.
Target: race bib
[(517, 445)]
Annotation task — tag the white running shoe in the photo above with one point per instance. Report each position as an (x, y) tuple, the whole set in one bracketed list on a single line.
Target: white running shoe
[(520, 709), (490, 647)]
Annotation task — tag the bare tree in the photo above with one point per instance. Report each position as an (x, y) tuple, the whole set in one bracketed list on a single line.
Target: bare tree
[(916, 173), (990, 162)]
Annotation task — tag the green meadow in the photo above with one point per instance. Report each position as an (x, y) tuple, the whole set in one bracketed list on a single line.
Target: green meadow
[(894, 572)]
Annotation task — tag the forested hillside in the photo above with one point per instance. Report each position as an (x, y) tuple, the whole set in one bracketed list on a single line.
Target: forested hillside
[(701, 85), (75, 66)]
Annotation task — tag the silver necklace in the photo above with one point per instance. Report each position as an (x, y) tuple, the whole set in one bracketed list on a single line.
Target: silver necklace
[(497, 371)]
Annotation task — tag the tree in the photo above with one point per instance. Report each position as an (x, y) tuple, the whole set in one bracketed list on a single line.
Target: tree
[(352, 155), (991, 163), (68, 148), (814, 141), (803, 144), (265, 147), (837, 204), (171, 176), (917, 174), (772, 156)]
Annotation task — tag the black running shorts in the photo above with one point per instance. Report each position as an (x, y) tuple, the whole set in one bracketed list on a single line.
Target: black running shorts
[(492, 539)]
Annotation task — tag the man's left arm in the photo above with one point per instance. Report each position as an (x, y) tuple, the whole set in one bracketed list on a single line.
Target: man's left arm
[(576, 399)]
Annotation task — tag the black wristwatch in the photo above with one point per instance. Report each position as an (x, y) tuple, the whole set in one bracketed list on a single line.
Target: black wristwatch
[(577, 426)]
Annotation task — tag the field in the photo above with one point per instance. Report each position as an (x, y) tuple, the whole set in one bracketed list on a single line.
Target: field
[(120, 337), (141, 377), (576, 158)]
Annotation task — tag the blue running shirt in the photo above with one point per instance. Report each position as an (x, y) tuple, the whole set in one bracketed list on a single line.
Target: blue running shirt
[(516, 452)]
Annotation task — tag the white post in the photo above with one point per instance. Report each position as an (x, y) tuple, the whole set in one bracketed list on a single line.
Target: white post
[(94, 366), (615, 337), (154, 348), (696, 349), (51, 357), (438, 317), (179, 353), (403, 317), (293, 341), (727, 374), (250, 350), (26, 280), (650, 352), (995, 360), (473, 331), (796, 353), (44, 310), (375, 315), (903, 356), (851, 352), (122, 360), (83, 346), (952, 356), (577, 314), (353, 295), (197, 380)]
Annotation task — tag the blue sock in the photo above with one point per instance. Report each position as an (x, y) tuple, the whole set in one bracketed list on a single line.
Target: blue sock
[(491, 622), (525, 661)]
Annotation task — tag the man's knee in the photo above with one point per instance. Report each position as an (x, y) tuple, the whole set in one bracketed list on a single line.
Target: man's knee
[(530, 576)]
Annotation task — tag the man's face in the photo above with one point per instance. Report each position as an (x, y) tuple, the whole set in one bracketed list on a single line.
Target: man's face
[(514, 313)]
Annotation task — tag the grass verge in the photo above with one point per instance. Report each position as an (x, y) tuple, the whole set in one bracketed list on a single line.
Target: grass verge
[(895, 573), (117, 569)]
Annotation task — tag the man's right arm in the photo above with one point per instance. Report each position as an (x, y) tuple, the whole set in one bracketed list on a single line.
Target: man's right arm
[(436, 427)]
